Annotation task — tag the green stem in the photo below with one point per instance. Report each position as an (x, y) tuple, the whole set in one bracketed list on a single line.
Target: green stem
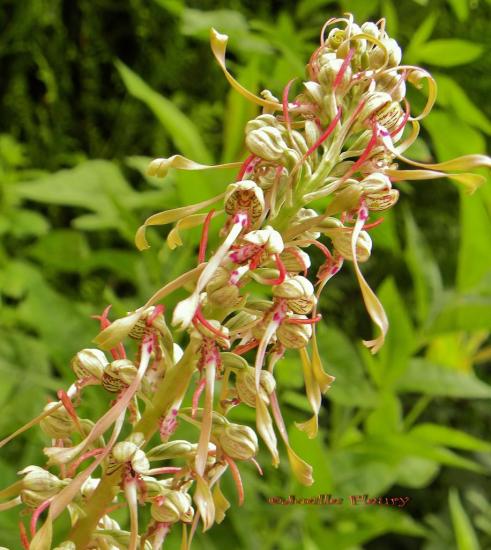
[(170, 391)]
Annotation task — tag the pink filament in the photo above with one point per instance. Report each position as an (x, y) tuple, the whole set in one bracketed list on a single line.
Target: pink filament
[(280, 265), (198, 316), (80, 459), (343, 68), (196, 396), (244, 167), (325, 135), (23, 536), (237, 479), (35, 515), (286, 114), (240, 350), (295, 321), (364, 155)]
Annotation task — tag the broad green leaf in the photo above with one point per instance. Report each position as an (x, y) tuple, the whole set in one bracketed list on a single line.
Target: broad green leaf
[(351, 386), (96, 185), (448, 52), (452, 137), (460, 8), (452, 96), (465, 535), (63, 249), (465, 311), (428, 378), (423, 268), (399, 341), (416, 472), (386, 417), (437, 434), (474, 261), (420, 36), (181, 129)]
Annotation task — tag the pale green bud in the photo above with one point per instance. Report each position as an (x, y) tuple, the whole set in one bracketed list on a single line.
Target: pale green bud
[(370, 29), (267, 143), (268, 238), (240, 319), (127, 452), (294, 336), (329, 72), (295, 259), (38, 485), (263, 121), (118, 375), (89, 363), (312, 132), (390, 116), (314, 91), (220, 291), (58, 424), (66, 545), (172, 507), (233, 361), (178, 448), (303, 215), (393, 84), (299, 293), (373, 102), (245, 383), (342, 243), (238, 441)]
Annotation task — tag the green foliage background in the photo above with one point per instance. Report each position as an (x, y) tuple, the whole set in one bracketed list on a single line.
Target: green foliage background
[(91, 90)]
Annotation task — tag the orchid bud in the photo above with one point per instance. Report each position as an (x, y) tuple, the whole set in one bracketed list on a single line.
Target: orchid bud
[(392, 83), (201, 331), (66, 545), (312, 132), (89, 363), (303, 215), (268, 174), (59, 424), (267, 143), (295, 259), (370, 29), (178, 448), (268, 238), (335, 38), (378, 192), (245, 196), (329, 73), (238, 441), (240, 319), (314, 90), (38, 485), (390, 116), (263, 121), (245, 383), (172, 506), (219, 290), (292, 335), (298, 292), (127, 452), (373, 102), (233, 361), (88, 487), (342, 243), (118, 375)]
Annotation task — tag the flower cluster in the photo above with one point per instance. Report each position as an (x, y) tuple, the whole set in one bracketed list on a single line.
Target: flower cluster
[(320, 166)]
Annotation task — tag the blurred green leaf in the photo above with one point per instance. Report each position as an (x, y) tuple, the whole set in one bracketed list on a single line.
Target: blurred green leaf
[(423, 268), (341, 360), (399, 342), (460, 8), (452, 96), (63, 249), (449, 52), (436, 434), (427, 378), (465, 535), (181, 129)]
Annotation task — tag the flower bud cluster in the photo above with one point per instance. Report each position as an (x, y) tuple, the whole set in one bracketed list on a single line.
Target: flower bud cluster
[(251, 299)]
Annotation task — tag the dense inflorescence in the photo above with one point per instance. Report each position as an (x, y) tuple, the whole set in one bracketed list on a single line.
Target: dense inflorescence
[(335, 145)]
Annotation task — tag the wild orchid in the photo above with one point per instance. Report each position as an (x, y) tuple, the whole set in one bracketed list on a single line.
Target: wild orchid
[(320, 168)]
